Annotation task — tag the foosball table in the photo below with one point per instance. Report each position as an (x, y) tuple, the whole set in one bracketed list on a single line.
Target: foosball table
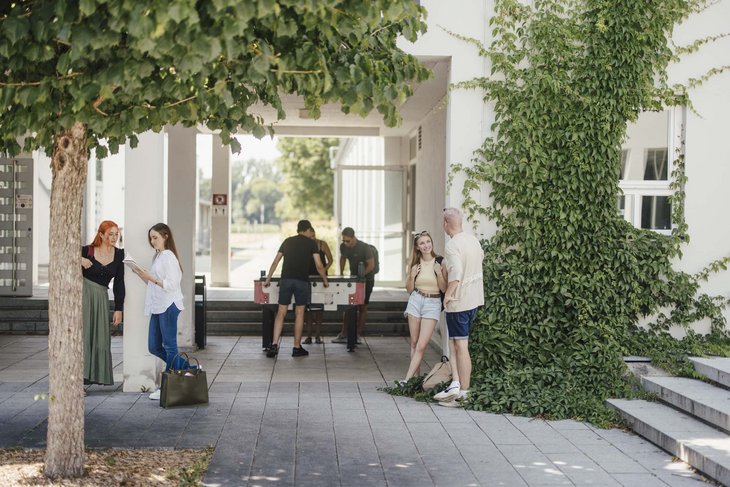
[(344, 294)]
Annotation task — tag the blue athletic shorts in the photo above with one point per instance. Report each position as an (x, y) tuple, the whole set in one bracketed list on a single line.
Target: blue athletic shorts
[(301, 290), (459, 323)]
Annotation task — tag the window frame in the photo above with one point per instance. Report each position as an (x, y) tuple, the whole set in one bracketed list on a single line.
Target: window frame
[(634, 190)]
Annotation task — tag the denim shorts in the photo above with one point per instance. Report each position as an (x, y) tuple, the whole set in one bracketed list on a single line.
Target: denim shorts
[(422, 307), (301, 290), (459, 323)]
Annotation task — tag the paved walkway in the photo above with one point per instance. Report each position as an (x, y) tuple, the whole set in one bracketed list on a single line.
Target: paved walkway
[(321, 421)]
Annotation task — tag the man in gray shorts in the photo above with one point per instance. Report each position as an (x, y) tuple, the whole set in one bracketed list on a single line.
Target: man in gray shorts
[(464, 295), (297, 252)]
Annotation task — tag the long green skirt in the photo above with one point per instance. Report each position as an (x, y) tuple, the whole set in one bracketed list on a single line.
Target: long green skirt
[(97, 335)]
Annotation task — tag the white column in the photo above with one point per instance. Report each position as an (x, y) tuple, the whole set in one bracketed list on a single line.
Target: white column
[(220, 226), (143, 206), (182, 202), (89, 225)]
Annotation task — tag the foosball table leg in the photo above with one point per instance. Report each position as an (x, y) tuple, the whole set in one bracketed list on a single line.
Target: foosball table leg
[(267, 326), (351, 320)]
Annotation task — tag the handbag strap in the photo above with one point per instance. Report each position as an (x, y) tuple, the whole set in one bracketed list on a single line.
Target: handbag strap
[(444, 358), (182, 355)]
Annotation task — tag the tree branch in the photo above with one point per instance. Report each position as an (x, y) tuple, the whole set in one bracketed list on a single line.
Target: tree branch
[(37, 83), (96, 104), (296, 71)]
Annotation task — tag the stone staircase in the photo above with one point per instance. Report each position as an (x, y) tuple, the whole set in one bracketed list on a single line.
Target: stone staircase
[(24, 316), (29, 316), (691, 419)]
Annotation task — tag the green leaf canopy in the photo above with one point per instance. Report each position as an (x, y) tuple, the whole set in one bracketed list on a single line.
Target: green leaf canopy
[(125, 67)]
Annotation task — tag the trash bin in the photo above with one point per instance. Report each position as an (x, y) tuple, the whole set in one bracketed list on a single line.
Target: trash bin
[(201, 312)]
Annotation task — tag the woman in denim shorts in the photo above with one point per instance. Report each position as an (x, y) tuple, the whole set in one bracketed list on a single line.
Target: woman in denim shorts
[(425, 283)]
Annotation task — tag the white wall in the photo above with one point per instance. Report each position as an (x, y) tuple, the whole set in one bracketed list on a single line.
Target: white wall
[(41, 210), (112, 205), (431, 178), (707, 147), (467, 117)]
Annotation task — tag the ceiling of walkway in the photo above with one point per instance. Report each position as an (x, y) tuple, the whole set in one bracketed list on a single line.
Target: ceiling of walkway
[(335, 123)]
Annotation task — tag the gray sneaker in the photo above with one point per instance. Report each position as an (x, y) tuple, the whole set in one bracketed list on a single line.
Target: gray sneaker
[(339, 339), (359, 340)]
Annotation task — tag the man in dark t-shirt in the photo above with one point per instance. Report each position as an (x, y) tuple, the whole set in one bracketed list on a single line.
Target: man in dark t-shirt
[(360, 257), (297, 251)]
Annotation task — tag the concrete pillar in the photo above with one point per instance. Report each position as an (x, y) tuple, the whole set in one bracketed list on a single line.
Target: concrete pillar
[(220, 226), (143, 206), (182, 204), (88, 221)]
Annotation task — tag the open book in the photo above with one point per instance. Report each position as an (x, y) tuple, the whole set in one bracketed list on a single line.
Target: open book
[(132, 263)]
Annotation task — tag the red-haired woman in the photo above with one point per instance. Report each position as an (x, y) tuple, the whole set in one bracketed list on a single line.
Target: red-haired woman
[(425, 283), (101, 261)]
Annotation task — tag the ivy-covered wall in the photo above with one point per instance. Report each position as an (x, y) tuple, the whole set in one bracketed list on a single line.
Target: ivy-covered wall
[(567, 280)]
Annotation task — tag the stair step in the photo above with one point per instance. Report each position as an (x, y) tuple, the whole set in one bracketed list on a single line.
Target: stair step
[(690, 440), (700, 399), (717, 369)]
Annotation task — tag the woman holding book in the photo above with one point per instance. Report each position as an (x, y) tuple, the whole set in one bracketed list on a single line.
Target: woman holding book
[(164, 299), (101, 261)]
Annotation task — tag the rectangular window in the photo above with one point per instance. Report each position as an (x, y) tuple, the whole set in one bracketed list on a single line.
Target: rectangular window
[(656, 213), (621, 203), (624, 162), (645, 169), (655, 165)]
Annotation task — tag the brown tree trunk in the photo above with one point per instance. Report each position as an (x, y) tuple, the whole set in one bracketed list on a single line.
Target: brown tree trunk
[(65, 450)]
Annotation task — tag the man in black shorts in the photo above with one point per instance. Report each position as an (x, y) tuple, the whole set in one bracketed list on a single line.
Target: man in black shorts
[(360, 257), (297, 251)]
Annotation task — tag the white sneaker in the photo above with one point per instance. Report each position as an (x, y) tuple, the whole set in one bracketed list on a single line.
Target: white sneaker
[(455, 403), (155, 396), (339, 339), (448, 394)]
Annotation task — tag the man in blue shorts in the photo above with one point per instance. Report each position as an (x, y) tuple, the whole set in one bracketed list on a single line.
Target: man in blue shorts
[(463, 296), (297, 251)]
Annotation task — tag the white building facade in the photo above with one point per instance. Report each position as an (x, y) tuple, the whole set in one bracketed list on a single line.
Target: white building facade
[(393, 181)]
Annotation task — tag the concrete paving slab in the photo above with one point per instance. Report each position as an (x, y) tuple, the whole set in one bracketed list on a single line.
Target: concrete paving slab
[(324, 422)]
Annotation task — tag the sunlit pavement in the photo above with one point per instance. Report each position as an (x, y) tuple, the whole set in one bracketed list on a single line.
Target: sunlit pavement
[(320, 420)]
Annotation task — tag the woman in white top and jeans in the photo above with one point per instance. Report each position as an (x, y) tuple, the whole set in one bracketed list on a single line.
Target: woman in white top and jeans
[(425, 283), (164, 299)]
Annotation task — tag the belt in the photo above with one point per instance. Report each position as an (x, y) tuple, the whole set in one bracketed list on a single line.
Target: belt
[(427, 295)]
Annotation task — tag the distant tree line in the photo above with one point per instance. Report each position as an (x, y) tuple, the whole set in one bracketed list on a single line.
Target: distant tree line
[(299, 184)]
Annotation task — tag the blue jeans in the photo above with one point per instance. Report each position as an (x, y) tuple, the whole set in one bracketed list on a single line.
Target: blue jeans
[(162, 340)]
